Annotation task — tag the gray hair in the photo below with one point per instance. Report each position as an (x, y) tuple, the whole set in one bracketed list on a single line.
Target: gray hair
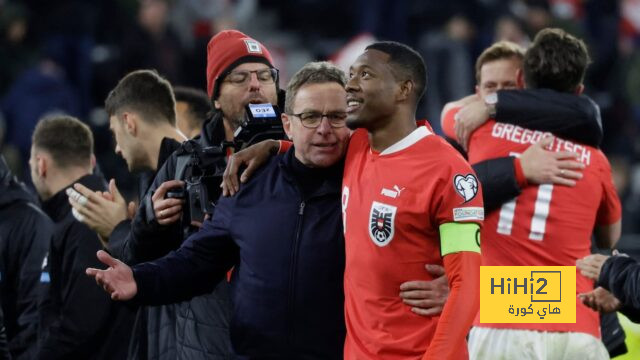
[(318, 72)]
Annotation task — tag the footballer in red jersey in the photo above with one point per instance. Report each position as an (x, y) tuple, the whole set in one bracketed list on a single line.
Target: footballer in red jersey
[(545, 225), (408, 199)]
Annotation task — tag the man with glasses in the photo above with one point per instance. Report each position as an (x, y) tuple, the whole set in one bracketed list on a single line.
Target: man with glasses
[(282, 233)]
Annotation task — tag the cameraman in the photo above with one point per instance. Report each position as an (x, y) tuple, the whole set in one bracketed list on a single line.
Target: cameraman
[(239, 72)]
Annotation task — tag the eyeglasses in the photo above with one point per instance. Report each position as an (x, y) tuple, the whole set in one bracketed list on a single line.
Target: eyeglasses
[(241, 77), (312, 119)]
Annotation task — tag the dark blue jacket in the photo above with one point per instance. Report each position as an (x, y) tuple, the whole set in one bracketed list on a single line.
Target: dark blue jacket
[(287, 251)]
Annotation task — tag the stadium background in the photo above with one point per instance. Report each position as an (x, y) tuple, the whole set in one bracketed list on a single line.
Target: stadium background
[(65, 55)]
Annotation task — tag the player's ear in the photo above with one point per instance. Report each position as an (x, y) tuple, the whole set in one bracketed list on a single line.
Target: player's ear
[(129, 120), (520, 79), (579, 89), (42, 164), (406, 89), (286, 125)]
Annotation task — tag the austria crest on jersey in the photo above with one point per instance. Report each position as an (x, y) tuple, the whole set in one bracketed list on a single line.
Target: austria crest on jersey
[(382, 223)]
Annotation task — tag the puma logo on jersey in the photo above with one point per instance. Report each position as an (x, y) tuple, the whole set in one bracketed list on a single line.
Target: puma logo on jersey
[(392, 193), (466, 186)]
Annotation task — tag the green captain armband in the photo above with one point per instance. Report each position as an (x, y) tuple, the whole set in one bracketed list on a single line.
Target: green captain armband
[(456, 237)]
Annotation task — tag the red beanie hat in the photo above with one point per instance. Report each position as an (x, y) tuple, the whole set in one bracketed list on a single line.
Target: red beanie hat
[(228, 49)]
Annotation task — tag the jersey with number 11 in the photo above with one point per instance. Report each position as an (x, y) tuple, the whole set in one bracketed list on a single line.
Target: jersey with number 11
[(546, 225)]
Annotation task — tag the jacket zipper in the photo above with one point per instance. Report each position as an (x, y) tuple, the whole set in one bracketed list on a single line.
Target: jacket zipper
[(292, 273)]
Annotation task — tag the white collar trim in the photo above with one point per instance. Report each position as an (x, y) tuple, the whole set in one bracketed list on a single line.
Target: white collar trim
[(415, 136)]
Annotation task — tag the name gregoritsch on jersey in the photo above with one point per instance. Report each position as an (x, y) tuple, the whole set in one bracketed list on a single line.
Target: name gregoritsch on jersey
[(520, 135)]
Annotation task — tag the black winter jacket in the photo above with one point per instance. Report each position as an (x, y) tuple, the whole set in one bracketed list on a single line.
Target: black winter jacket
[(78, 319), (621, 276), (286, 244), (154, 331), (121, 242), (25, 233)]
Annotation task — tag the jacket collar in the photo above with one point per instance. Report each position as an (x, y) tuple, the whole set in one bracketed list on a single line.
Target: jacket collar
[(167, 147), (57, 207), (213, 130)]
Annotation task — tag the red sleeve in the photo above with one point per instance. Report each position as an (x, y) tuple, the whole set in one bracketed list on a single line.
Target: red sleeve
[(610, 210), (520, 178), (463, 303), (284, 146), (449, 122)]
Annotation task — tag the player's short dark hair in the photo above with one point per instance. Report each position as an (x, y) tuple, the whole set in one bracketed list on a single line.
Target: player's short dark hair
[(408, 64), (65, 138), (556, 60), (146, 93), (498, 51), (319, 72), (198, 101)]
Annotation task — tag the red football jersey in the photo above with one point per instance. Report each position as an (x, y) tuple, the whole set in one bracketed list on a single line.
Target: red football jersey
[(393, 203), (546, 225)]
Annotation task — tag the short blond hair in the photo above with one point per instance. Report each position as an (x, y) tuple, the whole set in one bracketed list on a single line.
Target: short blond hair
[(498, 51)]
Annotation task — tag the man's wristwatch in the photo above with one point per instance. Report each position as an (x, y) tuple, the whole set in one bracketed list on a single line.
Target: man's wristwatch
[(491, 100)]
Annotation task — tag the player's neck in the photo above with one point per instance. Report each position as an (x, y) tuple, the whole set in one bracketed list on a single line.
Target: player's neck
[(63, 178), (393, 131), (153, 142)]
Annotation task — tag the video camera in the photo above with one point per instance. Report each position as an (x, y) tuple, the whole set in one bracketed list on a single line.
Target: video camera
[(201, 167)]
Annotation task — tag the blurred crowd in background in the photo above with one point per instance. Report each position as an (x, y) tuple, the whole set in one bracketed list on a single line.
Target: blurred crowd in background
[(65, 55)]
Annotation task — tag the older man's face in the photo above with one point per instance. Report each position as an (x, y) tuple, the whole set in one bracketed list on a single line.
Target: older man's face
[(318, 143), (235, 94)]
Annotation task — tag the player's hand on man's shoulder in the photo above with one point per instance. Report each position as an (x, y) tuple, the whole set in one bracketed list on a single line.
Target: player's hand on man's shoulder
[(253, 158)]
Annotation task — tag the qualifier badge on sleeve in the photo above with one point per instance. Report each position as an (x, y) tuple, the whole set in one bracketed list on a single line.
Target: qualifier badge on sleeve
[(528, 294)]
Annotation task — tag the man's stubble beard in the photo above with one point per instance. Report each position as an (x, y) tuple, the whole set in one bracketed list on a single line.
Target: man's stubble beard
[(236, 121)]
